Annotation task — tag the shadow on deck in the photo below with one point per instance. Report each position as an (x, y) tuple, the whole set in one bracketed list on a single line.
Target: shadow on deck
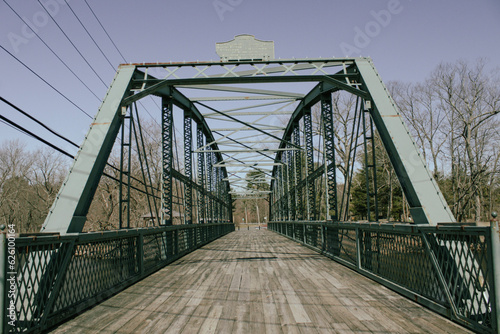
[(255, 281)]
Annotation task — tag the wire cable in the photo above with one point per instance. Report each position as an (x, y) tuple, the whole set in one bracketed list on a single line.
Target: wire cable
[(123, 57), (105, 31), (18, 127), (39, 77), (37, 121), (8, 121), (29, 133), (73, 44), (53, 52), (88, 33)]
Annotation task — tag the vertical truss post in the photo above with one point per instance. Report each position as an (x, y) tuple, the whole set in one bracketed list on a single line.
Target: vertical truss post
[(125, 162), (217, 194), (292, 186), (282, 189), (222, 199), (327, 115), (370, 167), (298, 173), (188, 167), (276, 198), (286, 185), (271, 202), (201, 173), (311, 206), (229, 213), (209, 185), (167, 159)]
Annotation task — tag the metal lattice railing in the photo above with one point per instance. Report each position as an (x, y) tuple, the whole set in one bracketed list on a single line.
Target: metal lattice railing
[(59, 276), (447, 268)]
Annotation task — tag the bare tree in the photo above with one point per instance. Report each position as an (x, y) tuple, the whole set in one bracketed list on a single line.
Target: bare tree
[(472, 102), (454, 118)]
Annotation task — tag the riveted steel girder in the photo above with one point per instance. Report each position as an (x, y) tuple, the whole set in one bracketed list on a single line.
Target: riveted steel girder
[(167, 159), (359, 77), (329, 139), (69, 211), (188, 166), (427, 204)]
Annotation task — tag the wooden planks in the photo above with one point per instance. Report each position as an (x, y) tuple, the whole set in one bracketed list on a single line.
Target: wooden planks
[(257, 282)]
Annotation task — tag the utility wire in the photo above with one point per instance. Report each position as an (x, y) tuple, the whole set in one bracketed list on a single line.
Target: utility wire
[(21, 129), (27, 67), (8, 121), (71, 42), (105, 31), (102, 52), (88, 33), (37, 121), (123, 57), (53, 52)]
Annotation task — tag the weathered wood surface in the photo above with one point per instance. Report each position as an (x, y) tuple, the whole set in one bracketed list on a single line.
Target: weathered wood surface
[(257, 282)]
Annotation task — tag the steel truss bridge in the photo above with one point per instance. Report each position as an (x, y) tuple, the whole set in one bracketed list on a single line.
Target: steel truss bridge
[(235, 118)]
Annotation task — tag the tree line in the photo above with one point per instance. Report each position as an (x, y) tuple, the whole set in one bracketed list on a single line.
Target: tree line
[(454, 117)]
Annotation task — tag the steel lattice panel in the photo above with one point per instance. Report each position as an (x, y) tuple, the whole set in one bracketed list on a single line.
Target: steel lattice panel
[(402, 259), (96, 267), (37, 268), (464, 263), (447, 269), (155, 248)]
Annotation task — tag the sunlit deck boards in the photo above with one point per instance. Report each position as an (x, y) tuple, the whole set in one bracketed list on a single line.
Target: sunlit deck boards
[(257, 282)]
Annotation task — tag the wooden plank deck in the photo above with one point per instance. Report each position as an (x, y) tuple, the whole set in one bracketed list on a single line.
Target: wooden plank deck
[(257, 282)]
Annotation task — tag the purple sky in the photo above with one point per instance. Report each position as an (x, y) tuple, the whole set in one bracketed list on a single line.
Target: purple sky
[(405, 38)]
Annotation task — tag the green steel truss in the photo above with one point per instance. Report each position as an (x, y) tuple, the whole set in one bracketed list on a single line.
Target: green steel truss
[(213, 166)]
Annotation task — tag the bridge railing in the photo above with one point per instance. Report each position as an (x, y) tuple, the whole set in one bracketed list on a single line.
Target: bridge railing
[(446, 268), (56, 277)]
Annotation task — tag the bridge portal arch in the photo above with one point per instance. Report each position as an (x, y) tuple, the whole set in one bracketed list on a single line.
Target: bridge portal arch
[(240, 138)]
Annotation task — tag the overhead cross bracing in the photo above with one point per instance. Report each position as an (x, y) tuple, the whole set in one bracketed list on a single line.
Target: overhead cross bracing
[(224, 128), (248, 131)]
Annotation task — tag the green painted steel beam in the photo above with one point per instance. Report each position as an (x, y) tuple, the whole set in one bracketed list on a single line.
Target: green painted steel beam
[(157, 85), (69, 211), (427, 204)]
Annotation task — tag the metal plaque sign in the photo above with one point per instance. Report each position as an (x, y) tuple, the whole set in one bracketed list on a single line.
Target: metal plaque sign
[(245, 47)]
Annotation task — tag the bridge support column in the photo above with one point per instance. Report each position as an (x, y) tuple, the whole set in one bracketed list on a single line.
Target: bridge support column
[(210, 173), (297, 173), (311, 206), (188, 168), (291, 185), (167, 157), (201, 175), (329, 138)]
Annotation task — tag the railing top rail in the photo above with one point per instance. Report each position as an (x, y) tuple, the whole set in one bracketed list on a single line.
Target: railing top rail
[(398, 227), (51, 238)]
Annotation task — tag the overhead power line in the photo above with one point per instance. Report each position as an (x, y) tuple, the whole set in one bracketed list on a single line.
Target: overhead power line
[(28, 132), (73, 44), (21, 129), (37, 121), (93, 13), (45, 81), (123, 57), (88, 33), (51, 50)]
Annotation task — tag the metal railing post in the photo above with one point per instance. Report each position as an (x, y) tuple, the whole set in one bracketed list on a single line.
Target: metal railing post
[(495, 249), (358, 249), (140, 254)]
